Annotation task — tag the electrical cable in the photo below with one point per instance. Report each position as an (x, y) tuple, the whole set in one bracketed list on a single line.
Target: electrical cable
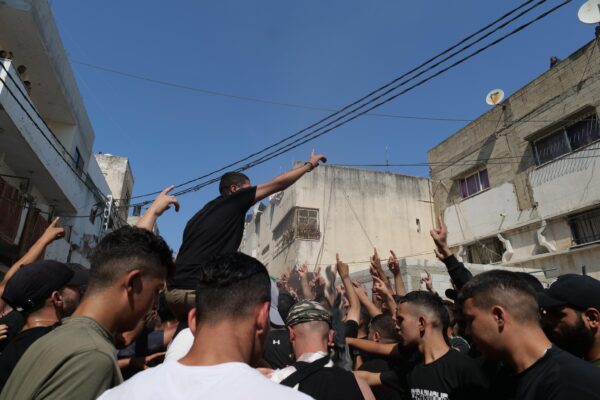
[(311, 136), (370, 94)]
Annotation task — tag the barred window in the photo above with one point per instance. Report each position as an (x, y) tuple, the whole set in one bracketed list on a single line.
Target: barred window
[(486, 251), (307, 224), (567, 139), (585, 227)]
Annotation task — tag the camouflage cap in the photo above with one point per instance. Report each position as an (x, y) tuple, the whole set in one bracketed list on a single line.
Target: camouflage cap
[(307, 311)]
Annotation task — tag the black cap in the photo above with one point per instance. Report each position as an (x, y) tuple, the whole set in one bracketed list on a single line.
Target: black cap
[(578, 291), (33, 283), (81, 275), (451, 294)]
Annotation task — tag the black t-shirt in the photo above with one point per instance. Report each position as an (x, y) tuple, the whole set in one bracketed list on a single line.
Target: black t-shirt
[(14, 321), (452, 376), (216, 229), (278, 350), (16, 348), (376, 364), (558, 375)]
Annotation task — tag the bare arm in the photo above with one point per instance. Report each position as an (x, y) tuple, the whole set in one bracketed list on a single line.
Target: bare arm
[(372, 309), (365, 388), (287, 179), (163, 202), (53, 232), (394, 267), (371, 378), (376, 267), (344, 271), (384, 292), (303, 272), (369, 346)]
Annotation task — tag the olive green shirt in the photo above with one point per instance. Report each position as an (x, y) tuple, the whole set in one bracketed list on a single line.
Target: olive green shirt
[(76, 361), (596, 363)]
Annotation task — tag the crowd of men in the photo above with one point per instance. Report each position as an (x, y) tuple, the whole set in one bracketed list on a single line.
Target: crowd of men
[(212, 324)]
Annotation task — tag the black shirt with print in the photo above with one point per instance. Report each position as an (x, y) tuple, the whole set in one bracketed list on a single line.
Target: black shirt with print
[(453, 376)]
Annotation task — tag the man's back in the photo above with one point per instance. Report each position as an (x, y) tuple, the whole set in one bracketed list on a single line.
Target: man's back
[(173, 380), (75, 361), (216, 229)]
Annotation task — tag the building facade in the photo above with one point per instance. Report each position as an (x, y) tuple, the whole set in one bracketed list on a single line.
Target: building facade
[(46, 165), (119, 177), (520, 186), (341, 210)]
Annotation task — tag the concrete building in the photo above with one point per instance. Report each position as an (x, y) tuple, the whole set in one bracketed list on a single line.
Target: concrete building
[(520, 185), (119, 177), (350, 211), (46, 139)]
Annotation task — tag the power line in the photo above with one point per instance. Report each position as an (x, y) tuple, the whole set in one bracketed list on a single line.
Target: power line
[(287, 147), (273, 102), (311, 136)]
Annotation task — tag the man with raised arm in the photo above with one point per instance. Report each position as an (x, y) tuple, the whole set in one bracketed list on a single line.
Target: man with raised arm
[(218, 228)]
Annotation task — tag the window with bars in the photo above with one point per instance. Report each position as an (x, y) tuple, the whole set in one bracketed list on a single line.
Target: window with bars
[(567, 139), (474, 183), (307, 224), (486, 251), (585, 227)]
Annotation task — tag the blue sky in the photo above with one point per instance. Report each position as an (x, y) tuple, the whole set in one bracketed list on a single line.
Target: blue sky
[(317, 53)]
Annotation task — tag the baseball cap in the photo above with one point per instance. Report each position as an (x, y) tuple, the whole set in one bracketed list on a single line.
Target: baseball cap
[(81, 275), (33, 283), (307, 311), (579, 291), (274, 315)]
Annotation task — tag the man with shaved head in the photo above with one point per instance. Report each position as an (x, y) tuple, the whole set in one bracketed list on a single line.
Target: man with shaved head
[(309, 325)]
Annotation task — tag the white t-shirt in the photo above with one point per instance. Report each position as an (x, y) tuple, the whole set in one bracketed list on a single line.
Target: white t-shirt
[(180, 346), (176, 381)]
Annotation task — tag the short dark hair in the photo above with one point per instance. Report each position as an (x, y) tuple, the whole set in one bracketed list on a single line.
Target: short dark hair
[(386, 326), (430, 302), (126, 249), (284, 303), (231, 285), (231, 178), (505, 288)]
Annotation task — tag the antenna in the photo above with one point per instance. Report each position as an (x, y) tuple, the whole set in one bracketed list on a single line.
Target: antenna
[(589, 12), (495, 96)]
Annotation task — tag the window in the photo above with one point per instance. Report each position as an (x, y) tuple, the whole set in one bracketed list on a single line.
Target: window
[(585, 227), (474, 183), (307, 224), (485, 251), (567, 139), (78, 160)]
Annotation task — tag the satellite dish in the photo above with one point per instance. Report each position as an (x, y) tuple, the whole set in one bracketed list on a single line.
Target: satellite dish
[(495, 96), (589, 12)]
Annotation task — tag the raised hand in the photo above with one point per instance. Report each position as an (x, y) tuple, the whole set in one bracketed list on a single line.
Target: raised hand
[(342, 268), (379, 288), (303, 271), (440, 238), (393, 264), (164, 201), (53, 232), (428, 281), (315, 159), (375, 261), (3, 332)]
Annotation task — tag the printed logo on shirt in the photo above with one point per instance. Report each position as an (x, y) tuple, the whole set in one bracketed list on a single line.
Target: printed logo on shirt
[(277, 342), (424, 394)]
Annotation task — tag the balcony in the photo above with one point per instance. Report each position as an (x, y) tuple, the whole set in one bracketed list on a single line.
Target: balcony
[(31, 150)]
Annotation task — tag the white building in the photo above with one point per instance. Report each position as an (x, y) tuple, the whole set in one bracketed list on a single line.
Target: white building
[(346, 210), (521, 184), (119, 177), (46, 139)]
